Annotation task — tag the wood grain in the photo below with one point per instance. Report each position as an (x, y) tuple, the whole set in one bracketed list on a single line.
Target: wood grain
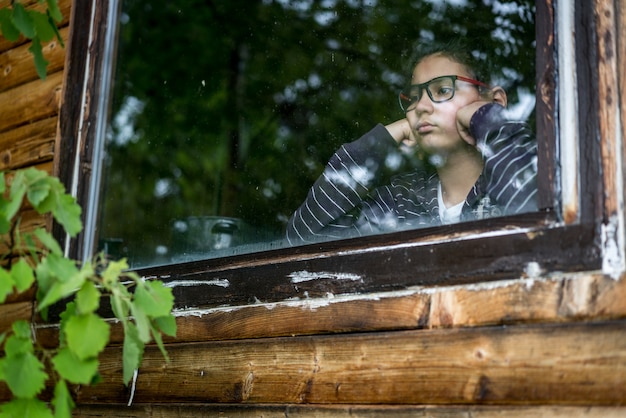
[(352, 411), (574, 364), (11, 312), (17, 66), (608, 101), (30, 102), (566, 299), (524, 301), (28, 145)]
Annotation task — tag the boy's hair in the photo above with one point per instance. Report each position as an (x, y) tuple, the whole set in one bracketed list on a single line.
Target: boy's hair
[(457, 50)]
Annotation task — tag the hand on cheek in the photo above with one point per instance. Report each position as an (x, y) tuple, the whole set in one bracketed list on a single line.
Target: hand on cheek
[(463, 118), (402, 133)]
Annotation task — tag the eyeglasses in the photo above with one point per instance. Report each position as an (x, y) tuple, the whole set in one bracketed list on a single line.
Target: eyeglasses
[(440, 89)]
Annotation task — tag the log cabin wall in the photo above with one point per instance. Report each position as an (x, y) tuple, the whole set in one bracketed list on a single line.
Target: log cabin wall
[(29, 116), (546, 343)]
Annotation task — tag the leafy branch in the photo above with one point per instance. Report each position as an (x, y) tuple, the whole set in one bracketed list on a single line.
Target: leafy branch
[(36, 258), (37, 26)]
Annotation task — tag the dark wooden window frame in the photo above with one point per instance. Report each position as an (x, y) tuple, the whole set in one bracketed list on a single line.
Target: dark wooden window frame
[(502, 248)]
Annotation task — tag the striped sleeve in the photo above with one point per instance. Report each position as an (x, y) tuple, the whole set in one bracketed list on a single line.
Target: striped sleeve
[(510, 153), (349, 176)]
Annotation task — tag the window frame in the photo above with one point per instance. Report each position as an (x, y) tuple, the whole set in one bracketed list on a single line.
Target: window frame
[(564, 239)]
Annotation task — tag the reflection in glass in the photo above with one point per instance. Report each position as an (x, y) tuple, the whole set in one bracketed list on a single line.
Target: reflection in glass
[(223, 114)]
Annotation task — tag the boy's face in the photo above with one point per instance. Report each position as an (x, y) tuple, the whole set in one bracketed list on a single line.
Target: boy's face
[(434, 124)]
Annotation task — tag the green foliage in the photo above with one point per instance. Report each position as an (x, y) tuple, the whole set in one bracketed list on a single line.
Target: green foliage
[(37, 26), (34, 257), (234, 110)]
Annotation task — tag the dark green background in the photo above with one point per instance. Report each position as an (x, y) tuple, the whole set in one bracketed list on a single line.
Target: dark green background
[(243, 102)]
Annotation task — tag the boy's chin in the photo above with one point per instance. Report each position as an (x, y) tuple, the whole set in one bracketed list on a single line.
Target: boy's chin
[(443, 145), (437, 145)]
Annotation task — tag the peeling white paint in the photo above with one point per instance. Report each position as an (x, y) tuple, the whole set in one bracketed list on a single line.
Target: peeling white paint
[(613, 256), (132, 388), (148, 278), (305, 276), (533, 270), (189, 283), (613, 246), (313, 304)]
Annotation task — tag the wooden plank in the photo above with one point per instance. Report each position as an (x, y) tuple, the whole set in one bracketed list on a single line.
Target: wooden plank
[(17, 66), (11, 312), (399, 261), (545, 102), (28, 145), (565, 299), (607, 105), (30, 102), (352, 411), (567, 364), (510, 302), (523, 301), (621, 76)]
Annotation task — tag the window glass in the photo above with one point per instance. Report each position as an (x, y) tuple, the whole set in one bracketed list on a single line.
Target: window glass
[(224, 114)]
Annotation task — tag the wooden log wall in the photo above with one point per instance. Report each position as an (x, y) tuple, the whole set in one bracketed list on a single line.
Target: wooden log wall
[(549, 345), (529, 347), (28, 123)]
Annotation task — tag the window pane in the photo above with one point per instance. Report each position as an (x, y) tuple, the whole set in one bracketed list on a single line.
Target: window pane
[(224, 114)]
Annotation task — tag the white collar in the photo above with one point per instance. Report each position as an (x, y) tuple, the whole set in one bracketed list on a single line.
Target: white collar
[(448, 215)]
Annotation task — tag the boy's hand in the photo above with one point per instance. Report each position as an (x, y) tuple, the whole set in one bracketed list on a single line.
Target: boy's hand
[(463, 118), (401, 131)]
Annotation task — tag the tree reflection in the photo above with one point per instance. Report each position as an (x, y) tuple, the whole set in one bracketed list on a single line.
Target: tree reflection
[(231, 109)]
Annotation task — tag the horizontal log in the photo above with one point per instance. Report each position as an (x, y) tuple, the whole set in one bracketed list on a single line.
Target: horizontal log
[(17, 65), (352, 411), (11, 312), (569, 364), (31, 102), (28, 145), (570, 298)]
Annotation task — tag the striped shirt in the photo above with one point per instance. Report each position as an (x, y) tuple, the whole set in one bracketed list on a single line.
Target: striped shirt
[(347, 201)]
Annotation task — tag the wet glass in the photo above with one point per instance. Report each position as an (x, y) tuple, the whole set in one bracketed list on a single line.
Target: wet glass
[(223, 114)]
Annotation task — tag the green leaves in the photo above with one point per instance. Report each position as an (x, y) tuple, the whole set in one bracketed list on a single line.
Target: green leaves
[(20, 368), (37, 26), (7, 27), (46, 194), (59, 277), (53, 10), (87, 335), (154, 299), (25, 408), (87, 298), (150, 308), (19, 278), (132, 351), (62, 401), (23, 20), (37, 258), (73, 369), (22, 275), (24, 374)]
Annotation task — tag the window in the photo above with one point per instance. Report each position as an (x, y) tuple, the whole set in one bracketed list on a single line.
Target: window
[(480, 250)]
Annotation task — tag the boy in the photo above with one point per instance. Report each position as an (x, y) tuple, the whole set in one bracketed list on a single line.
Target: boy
[(484, 165)]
